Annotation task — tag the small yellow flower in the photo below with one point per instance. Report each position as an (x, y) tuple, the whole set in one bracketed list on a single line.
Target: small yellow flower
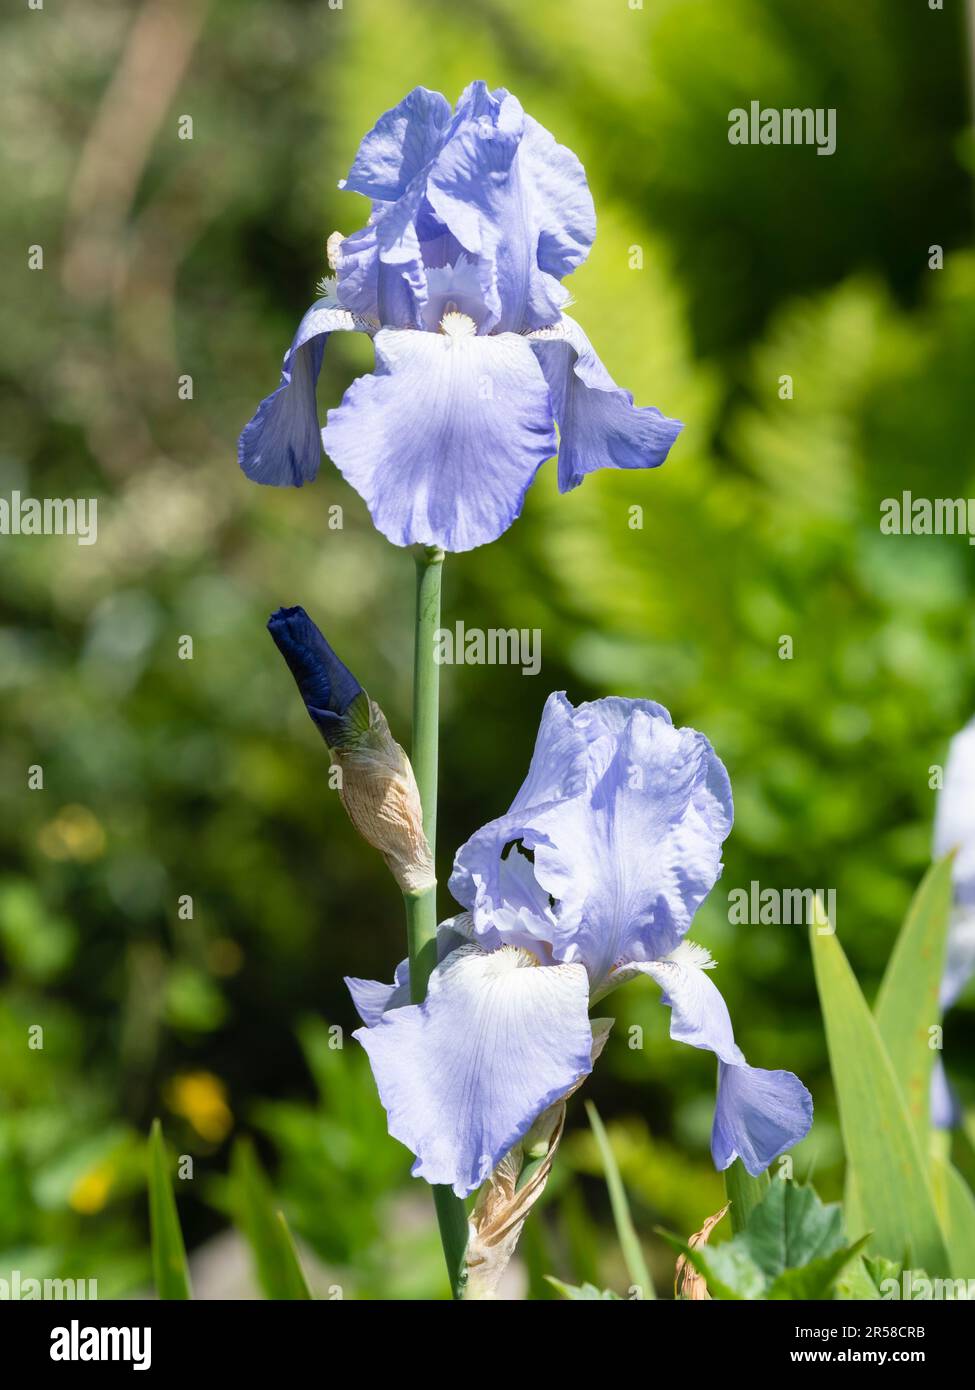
[(90, 1192), (201, 1098), (74, 833)]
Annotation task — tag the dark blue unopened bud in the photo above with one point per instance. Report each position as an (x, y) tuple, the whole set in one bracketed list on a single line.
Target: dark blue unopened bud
[(332, 695)]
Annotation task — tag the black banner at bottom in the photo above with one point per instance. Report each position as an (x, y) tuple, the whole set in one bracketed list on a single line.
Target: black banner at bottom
[(167, 1338)]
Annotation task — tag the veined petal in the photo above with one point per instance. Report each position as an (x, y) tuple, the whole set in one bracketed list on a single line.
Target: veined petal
[(400, 146), (380, 272), (463, 1075), (562, 204), (516, 201), (372, 998), (599, 426), (557, 770), (444, 439), (630, 862), (759, 1114), (281, 445), (570, 742)]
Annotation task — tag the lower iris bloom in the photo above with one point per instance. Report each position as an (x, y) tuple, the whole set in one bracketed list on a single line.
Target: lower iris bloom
[(477, 216), (955, 830), (591, 878)]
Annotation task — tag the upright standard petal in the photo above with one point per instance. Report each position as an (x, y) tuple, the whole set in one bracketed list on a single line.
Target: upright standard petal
[(327, 687), (516, 201), (462, 1076), (281, 446), (630, 862), (443, 441), (557, 770), (400, 146), (599, 426), (570, 740), (759, 1114)]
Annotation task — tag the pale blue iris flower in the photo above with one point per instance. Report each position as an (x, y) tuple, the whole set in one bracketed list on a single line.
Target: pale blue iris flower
[(592, 878), (955, 830), (477, 216)]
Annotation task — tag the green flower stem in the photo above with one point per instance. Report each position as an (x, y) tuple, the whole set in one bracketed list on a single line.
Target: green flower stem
[(421, 908), (744, 1193)]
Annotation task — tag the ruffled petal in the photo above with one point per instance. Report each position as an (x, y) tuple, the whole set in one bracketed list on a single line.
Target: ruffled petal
[(759, 1114), (599, 426), (517, 202), (445, 438), (400, 146), (463, 1075), (281, 445), (570, 742), (380, 272), (630, 862)]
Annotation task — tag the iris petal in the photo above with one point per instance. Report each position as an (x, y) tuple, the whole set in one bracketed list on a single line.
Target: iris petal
[(445, 438), (558, 769), (400, 146), (372, 998), (519, 203), (759, 1114), (599, 426), (620, 867), (630, 862), (463, 1075), (281, 445)]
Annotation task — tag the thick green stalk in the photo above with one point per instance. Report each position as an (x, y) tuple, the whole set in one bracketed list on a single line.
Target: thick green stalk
[(421, 908)]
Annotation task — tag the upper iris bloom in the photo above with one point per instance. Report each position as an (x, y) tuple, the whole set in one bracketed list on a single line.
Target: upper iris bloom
[(955, 830), (477, 215), (592, 877)]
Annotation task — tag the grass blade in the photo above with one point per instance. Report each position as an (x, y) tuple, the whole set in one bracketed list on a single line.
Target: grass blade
[(907, 1004), (279, 1272), (629, 1240), (295, 1275), (958, 1209), (881, 1144), (169, 1267)]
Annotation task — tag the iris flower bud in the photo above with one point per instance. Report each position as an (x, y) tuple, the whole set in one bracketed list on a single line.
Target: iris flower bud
[(377, 787)]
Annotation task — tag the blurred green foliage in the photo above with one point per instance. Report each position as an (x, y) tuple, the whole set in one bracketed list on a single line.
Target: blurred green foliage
[(166, 778)]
